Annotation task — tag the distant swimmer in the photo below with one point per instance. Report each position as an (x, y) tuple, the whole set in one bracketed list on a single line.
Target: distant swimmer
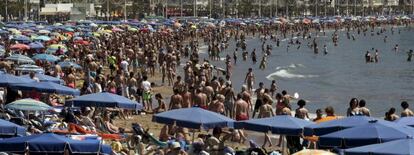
[(396, 48), (376, 56), (410, 55), (253, 56), (367, 57), (263, 62)]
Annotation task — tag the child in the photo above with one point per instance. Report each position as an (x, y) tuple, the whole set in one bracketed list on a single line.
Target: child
[(161, 105)]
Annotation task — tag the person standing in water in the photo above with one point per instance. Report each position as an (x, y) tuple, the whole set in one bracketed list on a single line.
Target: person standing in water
[(263, 62), (410, 55), (376, 56), (249, 80), (367, 57), (396, 48), (253, 56)]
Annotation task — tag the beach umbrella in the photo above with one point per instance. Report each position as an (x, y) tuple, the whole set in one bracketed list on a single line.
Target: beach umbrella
[(49, 143), (77, 38), (103, 100), (372, 133), (281, 124), (3, 31), (313, 152), (53, 48), (68, 64), (45, 57), (194, 118), (21, 59), (115, 29), (2, 50), (409, 121), (19, 47), (28, 104), (397, 147), (9, 79), (36, 45), (46, 87), (81, 42), (44, 32), (8, 129), (45, 78), (21, 39), (42, 38), (336, 125), (30, 68), (68, 29)]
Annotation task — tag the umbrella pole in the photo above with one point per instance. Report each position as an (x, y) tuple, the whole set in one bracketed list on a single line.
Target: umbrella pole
[(192, 141)]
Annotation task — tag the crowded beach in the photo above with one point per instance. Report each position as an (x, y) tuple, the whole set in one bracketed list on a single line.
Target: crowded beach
[(147, 87)]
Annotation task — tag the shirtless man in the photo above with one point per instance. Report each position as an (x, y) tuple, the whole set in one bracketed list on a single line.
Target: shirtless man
[(246, 96), (249, 80), (176, 100), (241, 109), (259, 101), (302, 112), (187, 102), (229, 99), (406, 112), (265, 111), (200, 99), (241, 112)]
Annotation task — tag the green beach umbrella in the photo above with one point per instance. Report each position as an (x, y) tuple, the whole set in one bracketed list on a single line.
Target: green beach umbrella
[(28, 104)]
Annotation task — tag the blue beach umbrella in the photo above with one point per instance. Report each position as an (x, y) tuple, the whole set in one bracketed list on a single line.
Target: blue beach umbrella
[(283, 124), (68, 64), (29, 68), (336, 125), (22, 39), (397, 147), (42, 38), (103, 100), (49, 143), (194, 118), (8, 79), (371, 133), (28, 105), (45, 57), (46, 87), (10, 129), (2, 50), (21, 59), (409, 121), (36, 45), (45, 78)]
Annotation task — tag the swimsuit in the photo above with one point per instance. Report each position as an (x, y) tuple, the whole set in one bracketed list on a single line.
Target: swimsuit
[(242, 117), (147, 95), (71, 85)]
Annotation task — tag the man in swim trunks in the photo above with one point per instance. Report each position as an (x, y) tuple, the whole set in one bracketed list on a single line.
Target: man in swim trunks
[(200, 99), (249, 80), (241, 109)]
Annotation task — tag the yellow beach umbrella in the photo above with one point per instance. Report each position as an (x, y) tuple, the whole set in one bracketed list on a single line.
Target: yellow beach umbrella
[(313, 152)]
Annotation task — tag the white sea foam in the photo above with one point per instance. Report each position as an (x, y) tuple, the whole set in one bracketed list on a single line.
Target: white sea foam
[(287, 72)]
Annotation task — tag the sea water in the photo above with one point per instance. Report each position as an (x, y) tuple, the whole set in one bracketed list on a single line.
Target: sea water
[(335, 78)]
